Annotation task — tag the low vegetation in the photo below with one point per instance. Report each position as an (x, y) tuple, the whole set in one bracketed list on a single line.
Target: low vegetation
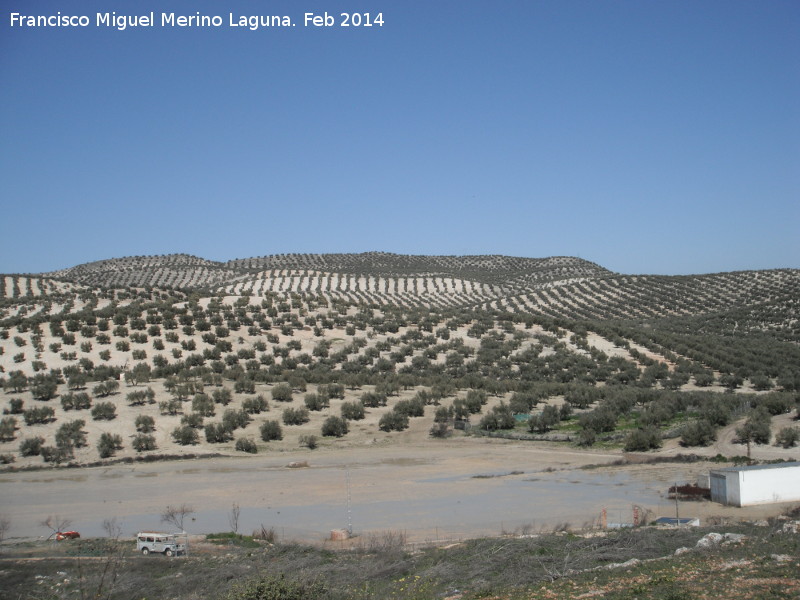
[(759, 561)]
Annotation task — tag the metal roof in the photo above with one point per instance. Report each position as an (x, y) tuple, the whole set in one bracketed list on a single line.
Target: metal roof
[(782, 465)]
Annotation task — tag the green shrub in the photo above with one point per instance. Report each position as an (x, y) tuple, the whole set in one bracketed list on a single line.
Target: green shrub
[(77, 381), (642, 440), (143, 443), (185, 435), (108, 444), (222, 396), (587, 437), (716, 411), (202, 404), (332, 390), (334, 427), (31, 446), (698, 433), (194, 420), (500, 417), (547, 420), (145, 424), (761, 382), (282, 393), (411, 408), (106, 388), (393, 421), (75, 401), (777, 403), (104, 411), (141, 397), (246, 445), (440, 429), (271, 587), (353, 411), (788, 437), (56, 454), (44, 387), (474, 401), (254, 406), (217, 433), (373, 400), (308, 441), (600, 420), (443, 414), (8, 428), (71, 434), (244, 385), (316, 402), (756, 429), (295, 416), (271, 430), (704, 378), (170, 407), (39, 414), (235, 419)]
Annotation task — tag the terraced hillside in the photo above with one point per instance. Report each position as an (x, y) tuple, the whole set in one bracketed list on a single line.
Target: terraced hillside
[(376, 277), (383, 342), (559, 287), (179, 271), (650, 297), (23, 286)]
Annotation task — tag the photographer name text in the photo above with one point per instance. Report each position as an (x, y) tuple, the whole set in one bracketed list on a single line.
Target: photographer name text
[(112, 20)]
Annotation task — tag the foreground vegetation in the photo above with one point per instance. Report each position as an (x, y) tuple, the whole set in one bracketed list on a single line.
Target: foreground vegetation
[(763, 563)]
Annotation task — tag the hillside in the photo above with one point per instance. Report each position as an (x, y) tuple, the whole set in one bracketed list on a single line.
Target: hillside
[(559, 287), (397, 346)]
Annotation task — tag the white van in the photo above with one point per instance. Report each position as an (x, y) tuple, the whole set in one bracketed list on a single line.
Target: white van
[(154, 541)]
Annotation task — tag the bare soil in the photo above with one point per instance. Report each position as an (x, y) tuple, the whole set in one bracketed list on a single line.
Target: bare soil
[(431, 490)]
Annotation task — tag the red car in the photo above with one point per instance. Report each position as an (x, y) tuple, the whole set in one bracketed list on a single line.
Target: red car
[(67, 535)]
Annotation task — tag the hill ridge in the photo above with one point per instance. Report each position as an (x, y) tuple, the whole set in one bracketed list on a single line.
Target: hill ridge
[(556, 286), (173, 270)]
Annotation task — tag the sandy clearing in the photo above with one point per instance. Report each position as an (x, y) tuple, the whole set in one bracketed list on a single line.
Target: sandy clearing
[(433, 490)]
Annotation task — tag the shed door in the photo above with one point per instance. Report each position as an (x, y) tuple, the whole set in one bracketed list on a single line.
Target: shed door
[(719, 488)]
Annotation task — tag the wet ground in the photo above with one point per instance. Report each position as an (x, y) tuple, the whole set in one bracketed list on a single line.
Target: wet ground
[(438, 492)]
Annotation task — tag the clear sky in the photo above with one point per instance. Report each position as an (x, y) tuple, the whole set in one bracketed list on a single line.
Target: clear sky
[(649, 137)]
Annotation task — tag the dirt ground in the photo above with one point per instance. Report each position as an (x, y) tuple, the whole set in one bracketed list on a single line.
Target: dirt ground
[(431, 490)]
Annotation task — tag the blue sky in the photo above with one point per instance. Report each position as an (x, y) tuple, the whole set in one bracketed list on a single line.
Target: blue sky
[(649, 137)]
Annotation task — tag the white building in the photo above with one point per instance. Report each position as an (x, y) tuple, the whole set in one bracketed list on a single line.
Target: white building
[(759, 484)]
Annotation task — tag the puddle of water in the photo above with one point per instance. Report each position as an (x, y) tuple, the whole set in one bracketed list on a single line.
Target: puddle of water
[(307, 505)]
